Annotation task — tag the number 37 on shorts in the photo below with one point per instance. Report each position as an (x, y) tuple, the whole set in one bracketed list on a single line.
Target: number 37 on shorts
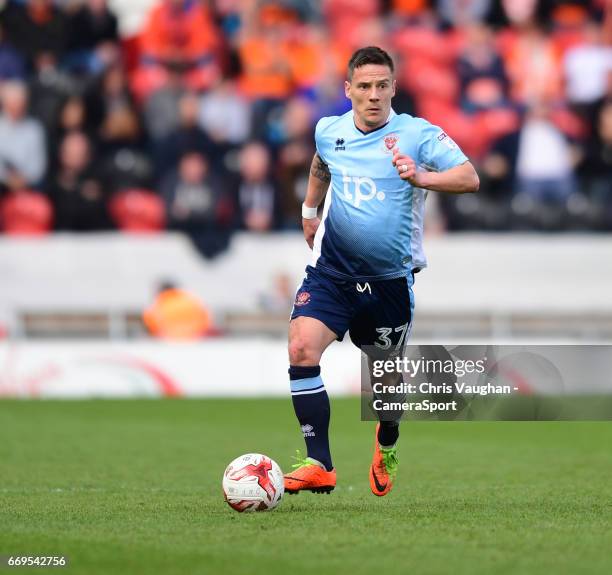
[(375, 313)]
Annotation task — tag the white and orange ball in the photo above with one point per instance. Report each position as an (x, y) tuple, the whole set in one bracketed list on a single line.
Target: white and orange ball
[(253, 482)]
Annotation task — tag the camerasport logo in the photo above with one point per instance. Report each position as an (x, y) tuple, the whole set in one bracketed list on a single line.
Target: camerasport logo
[(302, 298), (389, 142)]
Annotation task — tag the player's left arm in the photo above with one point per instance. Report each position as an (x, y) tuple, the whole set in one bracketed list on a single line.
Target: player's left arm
[(456, 180)]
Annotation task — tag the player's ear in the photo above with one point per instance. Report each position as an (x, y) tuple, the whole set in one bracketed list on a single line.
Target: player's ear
[(393, 86), (347, 89)]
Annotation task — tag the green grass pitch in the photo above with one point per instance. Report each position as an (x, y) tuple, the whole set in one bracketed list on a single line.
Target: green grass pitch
[(135, 487)]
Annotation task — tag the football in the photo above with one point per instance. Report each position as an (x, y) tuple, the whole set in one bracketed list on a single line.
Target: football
[(253, 482)]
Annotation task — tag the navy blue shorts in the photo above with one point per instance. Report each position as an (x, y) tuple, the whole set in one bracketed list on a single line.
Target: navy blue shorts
[(377, 313)]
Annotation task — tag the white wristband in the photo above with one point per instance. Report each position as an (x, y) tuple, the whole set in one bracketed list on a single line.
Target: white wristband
[(308, 213)]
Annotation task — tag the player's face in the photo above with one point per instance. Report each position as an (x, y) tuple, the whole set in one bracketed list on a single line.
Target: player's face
[(370, 91)]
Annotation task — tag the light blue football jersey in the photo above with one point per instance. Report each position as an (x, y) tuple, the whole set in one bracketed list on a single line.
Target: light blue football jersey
[(372, 223)]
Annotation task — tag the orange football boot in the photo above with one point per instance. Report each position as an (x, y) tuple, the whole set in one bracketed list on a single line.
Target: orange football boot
[(309, 476), (383, 469)]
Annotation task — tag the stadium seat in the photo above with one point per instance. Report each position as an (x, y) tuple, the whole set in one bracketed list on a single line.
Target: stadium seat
[(26, 213), (426, 44), (138, 211), (131, 52), (433, 81)]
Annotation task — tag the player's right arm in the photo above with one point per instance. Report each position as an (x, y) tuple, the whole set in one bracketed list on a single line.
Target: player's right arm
[(318, 184)]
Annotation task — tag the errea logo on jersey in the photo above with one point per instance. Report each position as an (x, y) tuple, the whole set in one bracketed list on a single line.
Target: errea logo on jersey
[(364, 189)]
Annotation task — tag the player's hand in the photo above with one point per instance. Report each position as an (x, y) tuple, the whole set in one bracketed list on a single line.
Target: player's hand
[(406, 168), (310, 229)]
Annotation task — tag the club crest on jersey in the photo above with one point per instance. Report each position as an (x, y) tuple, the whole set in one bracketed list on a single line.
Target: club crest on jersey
[(389, 142), (339, 144), (302, 298)]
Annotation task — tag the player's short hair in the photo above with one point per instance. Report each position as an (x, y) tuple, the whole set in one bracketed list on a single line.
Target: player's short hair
[(369, 55)]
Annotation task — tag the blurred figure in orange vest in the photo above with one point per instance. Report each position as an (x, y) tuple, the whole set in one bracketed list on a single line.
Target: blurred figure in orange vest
[(177, 314), (179, 37)]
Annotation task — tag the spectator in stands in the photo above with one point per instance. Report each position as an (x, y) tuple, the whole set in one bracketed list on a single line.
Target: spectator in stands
[(531, 172), (544, 164), (49, 87), (176, 314), (225, 115), (517, 13), (93, 40), (460, 14), (229, 14), (279, 297), (23, 153), (161, 108), (531, 59), (307, 48), (294, 159), (485, 108), (586, 68), (179, 33), (115, 112), (594, 109), (187, 136), (12, 64), (479, 64), (596, 166), (37, 29), (197, 203), (75, 189), (257, 192), (329, 97), (266, 75), (497, 168), (73, 117), (119, 135)]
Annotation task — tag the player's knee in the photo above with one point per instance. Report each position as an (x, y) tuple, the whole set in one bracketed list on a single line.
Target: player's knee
[(301, 352)]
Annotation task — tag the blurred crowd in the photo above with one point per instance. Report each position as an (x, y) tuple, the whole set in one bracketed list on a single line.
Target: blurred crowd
[(204, 121)]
